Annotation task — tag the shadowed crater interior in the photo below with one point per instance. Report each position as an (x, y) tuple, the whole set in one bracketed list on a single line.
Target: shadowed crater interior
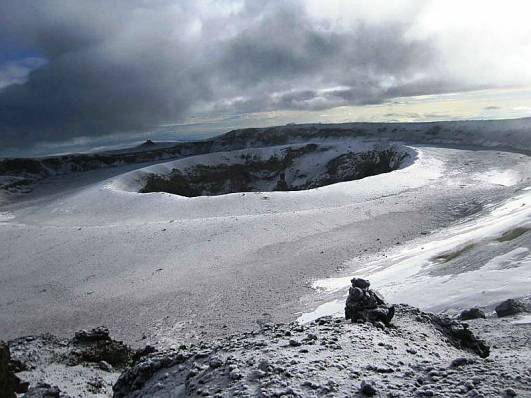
[(292, 168)]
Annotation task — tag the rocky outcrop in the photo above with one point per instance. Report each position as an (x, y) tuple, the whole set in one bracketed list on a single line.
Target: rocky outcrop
[(86, 365), (135, 378), (10, 384), (327, 357), (95, 335), (418, 354), (7, 385), (366, 305), (29, 170), (460, 335), (472, 313), (43, 390), (510, 307), (97, 346), (421, 354), (294, 168), (456, 333)]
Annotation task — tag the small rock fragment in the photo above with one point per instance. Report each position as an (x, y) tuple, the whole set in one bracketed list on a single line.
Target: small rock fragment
[(104, 365), (367, 389), (294, 343), (215, 362), (458, 362)]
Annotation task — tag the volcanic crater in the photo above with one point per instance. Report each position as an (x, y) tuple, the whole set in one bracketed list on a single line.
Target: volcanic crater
[(286, 168)]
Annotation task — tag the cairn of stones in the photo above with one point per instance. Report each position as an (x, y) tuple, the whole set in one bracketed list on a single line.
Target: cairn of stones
[(367, 305)]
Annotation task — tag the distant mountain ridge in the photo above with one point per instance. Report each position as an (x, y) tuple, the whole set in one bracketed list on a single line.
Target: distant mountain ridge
[(510, 134)]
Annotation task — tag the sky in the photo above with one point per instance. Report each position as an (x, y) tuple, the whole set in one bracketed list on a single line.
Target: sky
[(76, 74)]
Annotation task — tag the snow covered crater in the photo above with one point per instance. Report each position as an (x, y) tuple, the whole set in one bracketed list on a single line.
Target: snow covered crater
[(280, 168)]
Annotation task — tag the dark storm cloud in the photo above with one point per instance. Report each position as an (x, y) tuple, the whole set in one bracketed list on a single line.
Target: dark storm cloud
[(287, 54), (122, 66)]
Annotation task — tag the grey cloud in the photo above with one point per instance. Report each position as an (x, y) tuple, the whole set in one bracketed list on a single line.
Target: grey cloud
[(416, 116), (124, 66), (17, 71)]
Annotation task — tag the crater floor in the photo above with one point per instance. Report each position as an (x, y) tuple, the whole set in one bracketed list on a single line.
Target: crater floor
[(88, 249)]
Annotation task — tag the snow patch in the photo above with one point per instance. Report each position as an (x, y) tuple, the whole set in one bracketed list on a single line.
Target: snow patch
[(506, 178), (404, 276), (522, 320), (334, 308)]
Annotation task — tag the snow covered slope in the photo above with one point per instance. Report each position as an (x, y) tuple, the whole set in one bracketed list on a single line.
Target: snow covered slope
[(86, 248), (512, 134)]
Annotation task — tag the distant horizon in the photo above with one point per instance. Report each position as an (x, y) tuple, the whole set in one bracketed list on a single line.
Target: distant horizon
[(84, 74), (166, 137)]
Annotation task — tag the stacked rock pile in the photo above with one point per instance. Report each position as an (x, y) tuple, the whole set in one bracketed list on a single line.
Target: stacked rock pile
[(367, 305)]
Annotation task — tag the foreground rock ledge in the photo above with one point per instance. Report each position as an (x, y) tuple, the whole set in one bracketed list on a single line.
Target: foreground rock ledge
[(407, 353), (418, 355)]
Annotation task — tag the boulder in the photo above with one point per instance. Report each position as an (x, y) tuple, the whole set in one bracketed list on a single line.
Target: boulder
[(9, 382), (367, 389), (510, 307), (460, 335), (366, 305), (96, 345), (472, 313), (100, 333), (43, 390), (7, 385)]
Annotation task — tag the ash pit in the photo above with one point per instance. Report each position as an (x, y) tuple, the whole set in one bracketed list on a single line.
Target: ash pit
[(292, 168)]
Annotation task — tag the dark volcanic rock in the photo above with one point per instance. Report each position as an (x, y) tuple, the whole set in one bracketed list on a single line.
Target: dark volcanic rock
[(43, 390), (96, 345), (472, 313), (135, 378), (367, 389), (97, 334), (510, 307), (364, 304), (7, 385), (458, 334), (458, 362), (146, 144), (84, 366), (9, 382), (142, 352)]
